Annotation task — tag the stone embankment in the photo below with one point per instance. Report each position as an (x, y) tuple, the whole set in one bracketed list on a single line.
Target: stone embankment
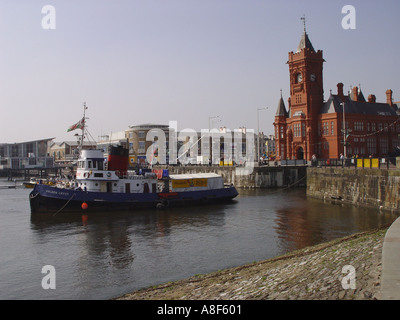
[(311, 273), (257, 177), (376, 188)]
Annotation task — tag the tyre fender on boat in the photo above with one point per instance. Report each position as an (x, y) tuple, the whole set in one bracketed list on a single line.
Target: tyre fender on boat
[(86, 175), (33, 196), (164, 203)]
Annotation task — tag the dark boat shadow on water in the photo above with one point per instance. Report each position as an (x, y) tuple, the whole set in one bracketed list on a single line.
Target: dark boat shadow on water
[(143, 216)]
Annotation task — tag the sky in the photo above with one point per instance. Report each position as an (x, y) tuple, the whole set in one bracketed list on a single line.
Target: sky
[(155, 61)]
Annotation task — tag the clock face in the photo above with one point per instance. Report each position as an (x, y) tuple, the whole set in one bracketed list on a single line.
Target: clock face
[(312, 77), (299, 78)]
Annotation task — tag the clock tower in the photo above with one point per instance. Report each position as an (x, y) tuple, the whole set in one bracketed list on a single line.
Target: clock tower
[(306, 99)]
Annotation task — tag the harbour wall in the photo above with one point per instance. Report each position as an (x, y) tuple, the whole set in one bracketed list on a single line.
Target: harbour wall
[(378, 188), (260, 177)]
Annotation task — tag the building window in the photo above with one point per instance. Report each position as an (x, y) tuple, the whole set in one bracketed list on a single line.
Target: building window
[(371, 146), (373, 127), (332, 128), (282, 132), (349, 150), (326, 128), (384, 145), (358, 126), (142, 147), (346, 123), (386, 127), (141, 135), (299, 129)]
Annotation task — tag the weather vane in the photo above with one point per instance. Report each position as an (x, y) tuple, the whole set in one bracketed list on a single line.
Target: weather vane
[(303, 18)]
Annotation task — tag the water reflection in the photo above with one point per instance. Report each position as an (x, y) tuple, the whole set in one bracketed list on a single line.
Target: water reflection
[(110, 238), (307, 222), (105, 254)]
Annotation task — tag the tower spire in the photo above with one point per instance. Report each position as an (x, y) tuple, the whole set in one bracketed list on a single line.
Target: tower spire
[(305, 42)]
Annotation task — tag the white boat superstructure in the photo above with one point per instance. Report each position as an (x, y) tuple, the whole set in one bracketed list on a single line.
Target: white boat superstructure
[(92, 175)]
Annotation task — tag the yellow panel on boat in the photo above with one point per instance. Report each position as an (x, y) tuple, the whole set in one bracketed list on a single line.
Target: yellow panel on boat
[(187, 183)]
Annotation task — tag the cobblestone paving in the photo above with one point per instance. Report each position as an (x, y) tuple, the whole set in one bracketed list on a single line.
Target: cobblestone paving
[(311, 273)]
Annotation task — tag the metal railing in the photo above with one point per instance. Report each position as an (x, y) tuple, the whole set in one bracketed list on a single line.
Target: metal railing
[(358, 163), (27, 162)]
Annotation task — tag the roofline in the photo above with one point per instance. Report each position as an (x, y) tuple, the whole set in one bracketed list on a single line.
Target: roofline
[(38, 140)]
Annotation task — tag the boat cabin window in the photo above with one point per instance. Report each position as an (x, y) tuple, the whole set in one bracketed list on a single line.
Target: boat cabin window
[(91, 164), (100, 165)]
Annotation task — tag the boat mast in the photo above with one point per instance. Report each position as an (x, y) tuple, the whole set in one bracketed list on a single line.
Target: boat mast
[(83, 123)]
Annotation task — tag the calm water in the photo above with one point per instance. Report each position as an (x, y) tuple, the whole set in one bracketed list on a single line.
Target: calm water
[(105, 255)]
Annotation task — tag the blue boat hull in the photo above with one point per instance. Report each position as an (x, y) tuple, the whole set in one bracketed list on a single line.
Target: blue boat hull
[(49, 199)]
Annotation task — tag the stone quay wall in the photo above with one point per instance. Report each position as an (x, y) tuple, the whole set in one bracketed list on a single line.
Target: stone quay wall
[(312, 273), (378, 188), (260, 177)]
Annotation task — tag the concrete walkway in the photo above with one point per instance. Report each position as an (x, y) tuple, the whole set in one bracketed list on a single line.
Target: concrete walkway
[(390, 289)]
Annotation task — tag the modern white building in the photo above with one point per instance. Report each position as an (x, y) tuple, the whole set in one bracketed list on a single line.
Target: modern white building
[(30, 154)]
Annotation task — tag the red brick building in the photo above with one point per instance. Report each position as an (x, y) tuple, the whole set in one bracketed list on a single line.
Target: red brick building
[(312, 125)]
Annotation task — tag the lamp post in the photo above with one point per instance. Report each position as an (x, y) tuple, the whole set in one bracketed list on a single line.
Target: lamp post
[(212, 122), (210, 138), (346, 132), (209, 122), (258, 132)]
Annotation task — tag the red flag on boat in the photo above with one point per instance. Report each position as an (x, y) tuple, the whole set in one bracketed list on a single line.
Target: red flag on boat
[(79, 125)]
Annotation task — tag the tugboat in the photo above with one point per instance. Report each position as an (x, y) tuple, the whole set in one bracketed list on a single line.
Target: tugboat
[(109, 186)]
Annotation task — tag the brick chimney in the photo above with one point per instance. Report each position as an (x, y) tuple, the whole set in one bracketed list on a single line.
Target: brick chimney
[(355, 94), (389, 99), (371, 98), (340, 90)]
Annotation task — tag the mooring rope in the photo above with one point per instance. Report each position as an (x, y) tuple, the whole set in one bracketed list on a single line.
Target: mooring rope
[(73, 195), (289, 186)]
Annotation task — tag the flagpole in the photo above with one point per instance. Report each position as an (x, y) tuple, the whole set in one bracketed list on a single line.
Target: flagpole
[(83, 127)]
